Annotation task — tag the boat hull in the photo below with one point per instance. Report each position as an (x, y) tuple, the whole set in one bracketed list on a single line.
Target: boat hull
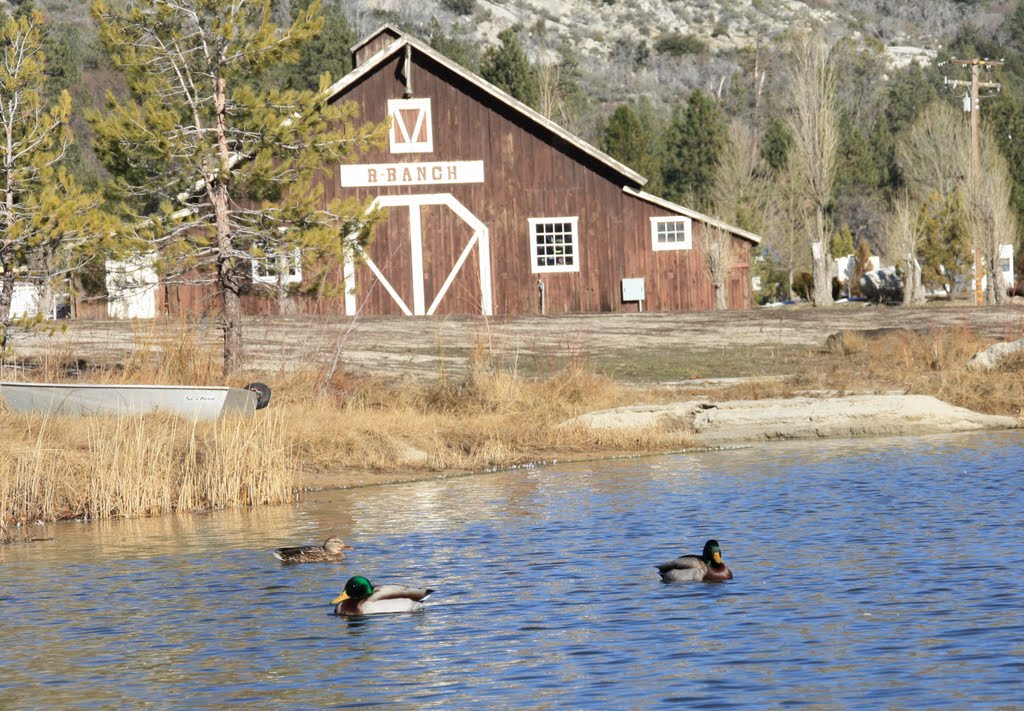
[(196, 403)]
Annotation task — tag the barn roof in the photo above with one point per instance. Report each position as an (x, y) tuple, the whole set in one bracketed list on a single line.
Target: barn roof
[(401, 41), (687, 212), (398, 45)]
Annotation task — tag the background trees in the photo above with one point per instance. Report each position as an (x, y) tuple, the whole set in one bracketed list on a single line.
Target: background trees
[(49, 226)]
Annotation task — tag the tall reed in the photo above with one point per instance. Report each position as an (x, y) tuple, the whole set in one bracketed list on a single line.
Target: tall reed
[(105, 467)]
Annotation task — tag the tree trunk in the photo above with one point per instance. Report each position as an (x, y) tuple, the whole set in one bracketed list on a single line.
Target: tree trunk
[(6, 297), (229, 282), (822, 261), (913, 284), (721, 303)]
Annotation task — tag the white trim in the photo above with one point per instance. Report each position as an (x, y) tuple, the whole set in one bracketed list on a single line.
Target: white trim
[(574, 244), (261, 267), (380, 175), (687, 212), (685, 243), (401, 138), (371, 64), (480, 240)]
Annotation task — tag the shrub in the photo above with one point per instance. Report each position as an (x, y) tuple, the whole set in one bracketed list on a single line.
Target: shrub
[(678, 45)]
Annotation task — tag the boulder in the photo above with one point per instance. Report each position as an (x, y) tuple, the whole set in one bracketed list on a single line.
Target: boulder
[(881, 285), (991, 357)]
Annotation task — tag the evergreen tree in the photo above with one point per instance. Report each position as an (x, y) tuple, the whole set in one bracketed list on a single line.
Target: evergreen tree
[(507, 67), (907, 93), (223, 172), (946, 246), (48, 224), (632, 141), (692, 144), (1013, 27), (776, 144), (328, 51)]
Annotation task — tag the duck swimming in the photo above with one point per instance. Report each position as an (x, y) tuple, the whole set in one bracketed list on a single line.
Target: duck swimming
[(360, 597), (331, 551), (706, 567)]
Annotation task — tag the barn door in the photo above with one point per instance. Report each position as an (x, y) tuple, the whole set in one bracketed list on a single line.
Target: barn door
[(478, 240)]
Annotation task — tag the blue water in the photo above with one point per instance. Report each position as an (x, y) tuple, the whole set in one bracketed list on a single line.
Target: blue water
[(872, 573)]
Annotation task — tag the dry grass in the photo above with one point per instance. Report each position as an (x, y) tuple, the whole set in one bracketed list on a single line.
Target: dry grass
[(104, 467), (923, 362), (328, 426)]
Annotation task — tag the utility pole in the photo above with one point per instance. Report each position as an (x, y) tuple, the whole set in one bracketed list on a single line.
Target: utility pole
[(974, 107)]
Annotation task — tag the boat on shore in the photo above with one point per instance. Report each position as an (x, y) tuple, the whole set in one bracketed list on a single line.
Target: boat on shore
[(191, 401)]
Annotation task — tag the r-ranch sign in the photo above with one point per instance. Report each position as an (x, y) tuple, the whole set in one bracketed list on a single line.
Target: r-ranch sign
[(392, 174)]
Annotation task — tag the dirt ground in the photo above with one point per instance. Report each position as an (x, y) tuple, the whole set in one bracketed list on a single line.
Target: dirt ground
[(654, 348)]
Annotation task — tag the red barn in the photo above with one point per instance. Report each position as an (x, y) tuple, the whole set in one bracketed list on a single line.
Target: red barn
[(495, 209)]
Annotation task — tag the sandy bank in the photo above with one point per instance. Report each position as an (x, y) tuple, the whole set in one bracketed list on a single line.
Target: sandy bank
[(748, 421), (742, 423)]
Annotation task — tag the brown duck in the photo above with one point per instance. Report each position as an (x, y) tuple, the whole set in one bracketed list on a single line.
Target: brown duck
[(332, 551)]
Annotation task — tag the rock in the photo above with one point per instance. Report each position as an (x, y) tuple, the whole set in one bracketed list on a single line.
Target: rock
[(745, 421), (882, 285), (991, 357)]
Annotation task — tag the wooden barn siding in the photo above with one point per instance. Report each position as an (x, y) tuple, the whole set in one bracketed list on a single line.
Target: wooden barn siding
[(527, 173)]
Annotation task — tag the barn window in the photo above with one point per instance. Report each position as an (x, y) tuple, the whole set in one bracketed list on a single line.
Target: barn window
[(671, 233), (411, 129), (554, 244), (266, 270)]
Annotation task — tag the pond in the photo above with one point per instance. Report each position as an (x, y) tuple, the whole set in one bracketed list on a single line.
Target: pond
[(869, 573)]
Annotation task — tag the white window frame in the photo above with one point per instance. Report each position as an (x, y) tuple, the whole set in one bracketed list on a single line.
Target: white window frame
[(400, 130), (262, 266), (574, 243), (685, 243)]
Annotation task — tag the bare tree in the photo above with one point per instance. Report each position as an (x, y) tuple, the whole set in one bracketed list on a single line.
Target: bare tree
[(784, 228), (992, 219), (934, 153), (738, 191), (935, 158), (814, 123), (903, 235), (719, 256)]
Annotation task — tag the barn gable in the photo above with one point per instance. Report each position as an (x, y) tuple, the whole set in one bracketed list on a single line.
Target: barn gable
[(495, 209)]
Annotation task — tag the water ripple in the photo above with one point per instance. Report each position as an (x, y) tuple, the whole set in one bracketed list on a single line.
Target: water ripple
[(869, 573)]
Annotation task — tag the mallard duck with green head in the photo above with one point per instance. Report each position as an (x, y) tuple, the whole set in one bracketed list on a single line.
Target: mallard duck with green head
[(332, 551), (360, 597), (706, 567)]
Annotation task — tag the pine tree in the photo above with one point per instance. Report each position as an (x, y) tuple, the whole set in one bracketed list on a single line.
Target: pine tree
[(49, 226), (328, 51), (223, 173), (507, 67), (631, 141), (693, 142)]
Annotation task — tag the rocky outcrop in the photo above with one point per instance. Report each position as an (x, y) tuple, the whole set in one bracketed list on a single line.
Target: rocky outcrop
[(746, 421), (991, 357)]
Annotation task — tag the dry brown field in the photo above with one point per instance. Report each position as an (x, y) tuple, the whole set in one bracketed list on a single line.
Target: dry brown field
[(642, 348)]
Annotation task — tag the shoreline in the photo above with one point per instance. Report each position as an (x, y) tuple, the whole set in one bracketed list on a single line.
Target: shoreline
[(734, 424)]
